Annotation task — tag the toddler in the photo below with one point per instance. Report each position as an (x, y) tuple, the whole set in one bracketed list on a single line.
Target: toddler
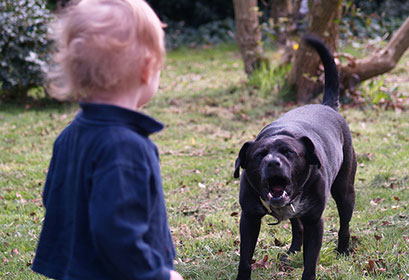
[(105, 211)]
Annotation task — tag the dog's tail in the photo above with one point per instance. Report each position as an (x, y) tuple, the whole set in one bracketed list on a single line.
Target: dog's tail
[(331, 88)]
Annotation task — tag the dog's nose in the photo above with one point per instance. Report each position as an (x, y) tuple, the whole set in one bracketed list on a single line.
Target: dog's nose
[(274, 162)]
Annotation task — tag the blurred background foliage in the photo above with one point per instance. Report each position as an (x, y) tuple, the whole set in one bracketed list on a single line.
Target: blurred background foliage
[(371, 19), (25, 47), (211, 21)]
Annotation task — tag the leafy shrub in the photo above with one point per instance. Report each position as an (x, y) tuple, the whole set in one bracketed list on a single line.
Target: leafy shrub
[(372, 19), (195, 23), (192, 13), (376, 93), (177, 34), (268, 79), (24, 45)]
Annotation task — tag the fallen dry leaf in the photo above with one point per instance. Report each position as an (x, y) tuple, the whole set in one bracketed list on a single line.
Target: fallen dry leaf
[(14, 252), (370, 266), (378, 237), (263, 263)]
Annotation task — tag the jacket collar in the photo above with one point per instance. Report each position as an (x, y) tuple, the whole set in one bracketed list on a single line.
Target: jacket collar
[(144, 124)]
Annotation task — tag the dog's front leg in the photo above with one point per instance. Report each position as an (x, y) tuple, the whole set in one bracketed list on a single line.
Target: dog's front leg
[(313, 232), (249, 231)]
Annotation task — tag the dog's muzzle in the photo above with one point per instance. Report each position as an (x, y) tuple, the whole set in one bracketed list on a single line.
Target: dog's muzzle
[(275, 192)]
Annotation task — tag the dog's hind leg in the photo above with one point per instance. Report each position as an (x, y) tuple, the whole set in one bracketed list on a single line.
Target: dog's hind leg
[(313, 232), (343, 193), (297, 236)]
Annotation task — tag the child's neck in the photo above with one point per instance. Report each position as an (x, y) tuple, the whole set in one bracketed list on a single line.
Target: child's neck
[(128, 101)]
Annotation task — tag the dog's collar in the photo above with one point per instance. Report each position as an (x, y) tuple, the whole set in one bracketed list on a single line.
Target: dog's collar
[(271, 212)]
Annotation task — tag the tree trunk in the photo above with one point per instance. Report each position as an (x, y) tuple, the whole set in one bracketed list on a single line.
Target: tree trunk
[(282, 13), (322, 21), (378, 63), (248, 33)]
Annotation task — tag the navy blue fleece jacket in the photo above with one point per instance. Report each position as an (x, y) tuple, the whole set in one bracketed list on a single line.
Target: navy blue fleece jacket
[(105, 211)]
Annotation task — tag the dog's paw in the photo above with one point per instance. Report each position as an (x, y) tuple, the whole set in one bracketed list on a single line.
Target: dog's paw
[(343, 251), (284, 258)]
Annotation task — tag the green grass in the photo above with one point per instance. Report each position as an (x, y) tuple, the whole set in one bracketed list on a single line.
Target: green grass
[(209, 112)]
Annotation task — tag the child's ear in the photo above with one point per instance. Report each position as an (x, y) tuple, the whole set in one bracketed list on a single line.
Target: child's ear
[(146, 70)]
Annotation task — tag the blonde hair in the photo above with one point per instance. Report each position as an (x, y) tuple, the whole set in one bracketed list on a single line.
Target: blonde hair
[(101, 45)]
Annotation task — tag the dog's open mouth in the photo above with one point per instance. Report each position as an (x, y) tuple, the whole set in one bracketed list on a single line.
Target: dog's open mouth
[(276, 193), (276, 187)]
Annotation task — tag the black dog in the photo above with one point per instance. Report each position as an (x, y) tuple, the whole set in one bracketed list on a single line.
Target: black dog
[(290, 169)]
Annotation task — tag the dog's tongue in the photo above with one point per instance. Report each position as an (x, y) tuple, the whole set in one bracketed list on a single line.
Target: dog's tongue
[(275, 193)]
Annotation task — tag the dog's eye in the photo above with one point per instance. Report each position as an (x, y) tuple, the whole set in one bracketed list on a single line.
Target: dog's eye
[(287, 152), (260, 154)]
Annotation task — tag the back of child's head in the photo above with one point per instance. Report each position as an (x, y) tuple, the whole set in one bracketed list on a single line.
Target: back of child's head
[(101, 45)]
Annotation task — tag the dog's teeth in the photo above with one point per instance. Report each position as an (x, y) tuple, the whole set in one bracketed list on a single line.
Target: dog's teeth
[(269, 196)]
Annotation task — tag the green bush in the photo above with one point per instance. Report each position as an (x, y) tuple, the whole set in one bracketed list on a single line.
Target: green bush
[(195, 23), (192, 13), (372, 19), (24, 45), (212, 33), (270, 79)]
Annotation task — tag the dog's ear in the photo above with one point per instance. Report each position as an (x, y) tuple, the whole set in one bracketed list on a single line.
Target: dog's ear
[(241, 160), (310, 152)]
